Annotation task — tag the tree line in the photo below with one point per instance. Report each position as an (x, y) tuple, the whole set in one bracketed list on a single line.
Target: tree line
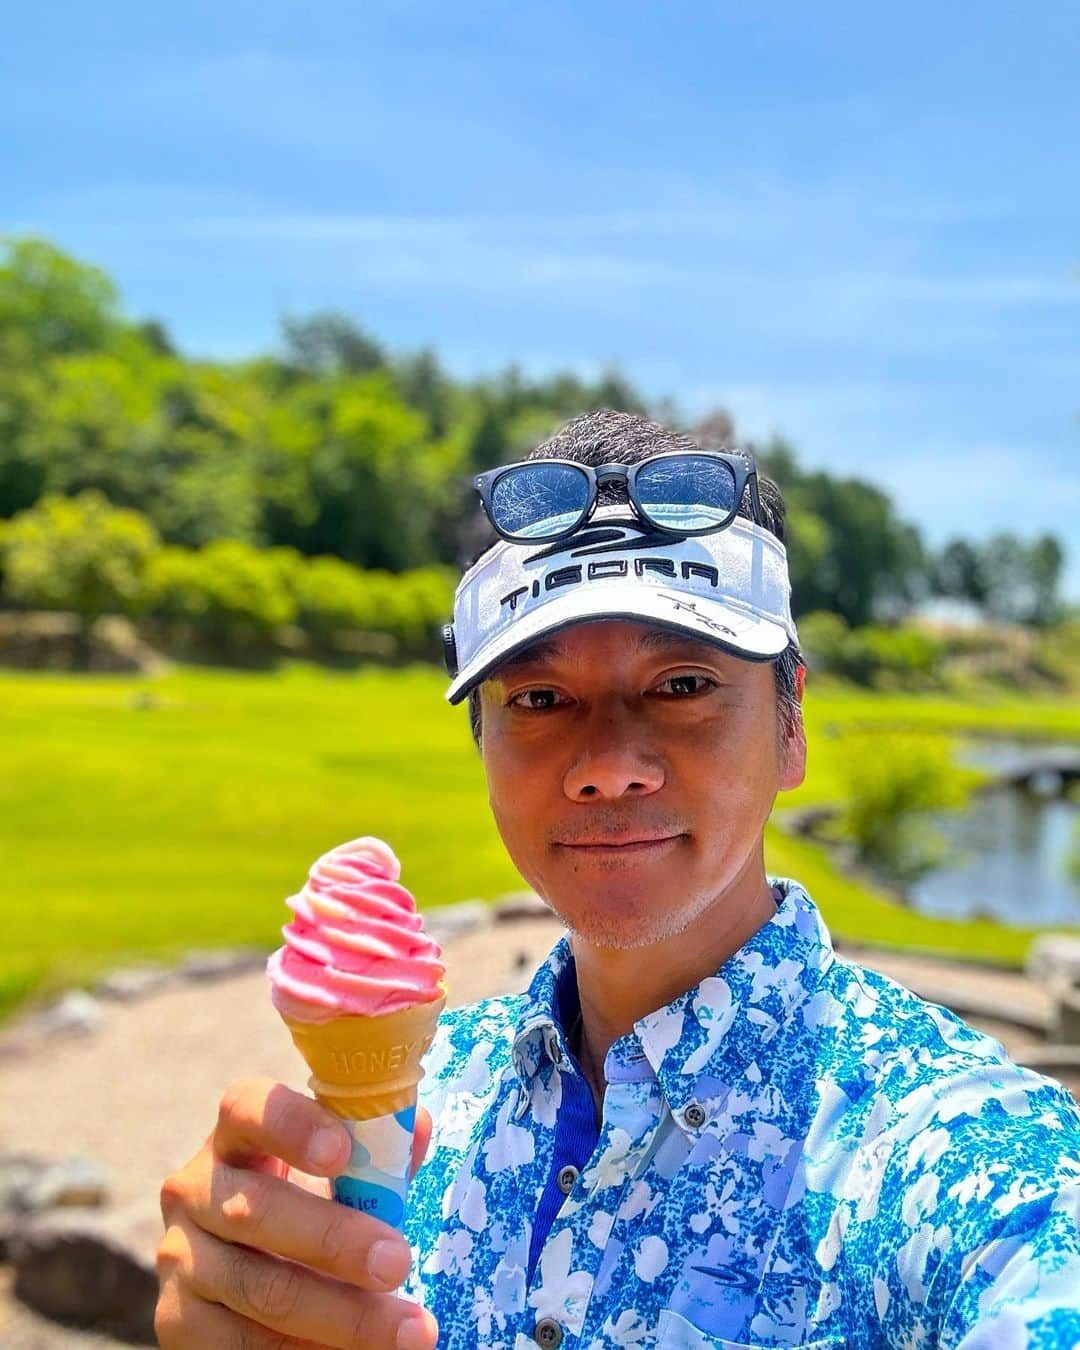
[(335, 447)]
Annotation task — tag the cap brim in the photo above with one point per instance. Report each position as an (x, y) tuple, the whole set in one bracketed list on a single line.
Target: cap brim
[(746, 635)]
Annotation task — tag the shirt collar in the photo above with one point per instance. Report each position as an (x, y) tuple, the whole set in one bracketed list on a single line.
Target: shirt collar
[(704, 1040)]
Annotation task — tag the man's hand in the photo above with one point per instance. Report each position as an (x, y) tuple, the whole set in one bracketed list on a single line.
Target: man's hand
[(256, 1253)]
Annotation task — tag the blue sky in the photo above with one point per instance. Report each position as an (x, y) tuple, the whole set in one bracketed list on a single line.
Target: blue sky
[(858, 226)]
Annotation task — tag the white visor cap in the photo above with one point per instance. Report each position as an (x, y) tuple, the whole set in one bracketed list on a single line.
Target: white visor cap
[(729, 587)]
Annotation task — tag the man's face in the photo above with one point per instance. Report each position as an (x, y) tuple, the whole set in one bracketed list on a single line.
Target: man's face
[(631, 771)]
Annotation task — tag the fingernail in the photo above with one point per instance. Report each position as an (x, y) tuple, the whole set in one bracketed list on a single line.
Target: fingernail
[(324, 1146), (418, 1333), (388, 1262)]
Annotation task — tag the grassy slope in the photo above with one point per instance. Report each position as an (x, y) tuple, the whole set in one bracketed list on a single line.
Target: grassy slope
[(144, 830)]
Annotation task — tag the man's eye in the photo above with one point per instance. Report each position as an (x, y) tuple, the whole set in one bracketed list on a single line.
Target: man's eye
[(682, 686), (535, 700)]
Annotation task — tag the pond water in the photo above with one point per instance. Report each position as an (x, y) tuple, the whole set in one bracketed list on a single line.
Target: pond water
[(1010, 849)]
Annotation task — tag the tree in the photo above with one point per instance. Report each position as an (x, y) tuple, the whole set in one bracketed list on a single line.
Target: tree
[(848, 550), (23, 389), (373, 477), (422, 384), (330, 343), (52, 303), (716, 428), (1021, 580), (958, 573), (487, 441), (156, 336), (173, 439), (1046, 558), (616, 391), (1006, 578)]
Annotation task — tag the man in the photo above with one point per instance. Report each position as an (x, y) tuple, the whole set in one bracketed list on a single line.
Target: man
[(699, 1127)]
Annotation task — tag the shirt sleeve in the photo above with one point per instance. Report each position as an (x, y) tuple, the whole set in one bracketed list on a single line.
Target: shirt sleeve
[(973, 1236), (1021, 1286)]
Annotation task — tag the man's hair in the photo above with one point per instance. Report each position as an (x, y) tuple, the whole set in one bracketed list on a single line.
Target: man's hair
[(610, 437)]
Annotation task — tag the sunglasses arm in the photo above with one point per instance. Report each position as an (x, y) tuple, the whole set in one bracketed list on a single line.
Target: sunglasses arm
[(755, 500)]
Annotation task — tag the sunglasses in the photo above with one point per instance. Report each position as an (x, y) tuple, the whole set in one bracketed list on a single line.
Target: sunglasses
[(681, 492)]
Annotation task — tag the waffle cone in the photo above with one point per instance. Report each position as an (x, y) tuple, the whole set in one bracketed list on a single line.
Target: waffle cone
[(363, 1067)]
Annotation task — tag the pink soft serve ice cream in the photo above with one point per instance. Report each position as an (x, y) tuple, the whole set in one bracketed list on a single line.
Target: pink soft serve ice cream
[(356, 946)]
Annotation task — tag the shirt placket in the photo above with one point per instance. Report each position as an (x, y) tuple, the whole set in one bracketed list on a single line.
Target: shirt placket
[(587, 1239)]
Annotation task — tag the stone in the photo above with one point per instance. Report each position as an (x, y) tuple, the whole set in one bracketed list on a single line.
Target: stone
[(117, 646), (77, 1013), (91, 1269), (57, 641), (520, 905), (1065, 1017), (9, 1223), (1054, 963), (17, 1170), (67, 1182), (217, 965), (360, 643), (451, 921), (132, 982), (1054, 1060), (1054, 957)]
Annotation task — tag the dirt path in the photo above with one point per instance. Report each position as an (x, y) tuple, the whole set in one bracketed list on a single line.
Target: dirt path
[(141, 1093)]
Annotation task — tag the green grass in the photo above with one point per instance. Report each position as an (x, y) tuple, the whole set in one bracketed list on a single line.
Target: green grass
[(147, 816), (146, 830)]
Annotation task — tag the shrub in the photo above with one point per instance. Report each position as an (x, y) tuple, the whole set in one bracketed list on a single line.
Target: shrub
[(902, 657), (822, 635), (232, 594), (77, 553), (890, 783), (227, 598), (905, 658), (334, 597), (1057, 654)]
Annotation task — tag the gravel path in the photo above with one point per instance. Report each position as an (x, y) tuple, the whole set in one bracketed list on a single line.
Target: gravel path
[(140, 1094)]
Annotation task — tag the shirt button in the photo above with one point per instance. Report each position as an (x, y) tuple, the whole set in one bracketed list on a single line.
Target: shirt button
[(566, 1178), (694, 1115), (547, 1333)]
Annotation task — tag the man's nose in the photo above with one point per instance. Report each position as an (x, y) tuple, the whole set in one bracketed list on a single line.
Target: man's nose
[(613, 759)]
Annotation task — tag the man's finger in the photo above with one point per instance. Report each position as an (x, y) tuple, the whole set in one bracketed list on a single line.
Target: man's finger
[(279, 1217), (259, 1118), (183, 1321), (290, 1299)]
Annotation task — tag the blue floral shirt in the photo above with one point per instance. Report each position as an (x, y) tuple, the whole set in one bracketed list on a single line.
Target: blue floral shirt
[(796, 1151)]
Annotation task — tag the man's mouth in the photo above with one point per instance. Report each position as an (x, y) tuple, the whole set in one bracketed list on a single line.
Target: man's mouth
[(616, 845)]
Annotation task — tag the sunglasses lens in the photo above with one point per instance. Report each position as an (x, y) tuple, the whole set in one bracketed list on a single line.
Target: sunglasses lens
[(690, 492), (535, 501)]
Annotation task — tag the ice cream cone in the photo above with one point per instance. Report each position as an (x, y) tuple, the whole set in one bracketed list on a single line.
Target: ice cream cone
[(363, 1067), (355, 948), (366, 1070)]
